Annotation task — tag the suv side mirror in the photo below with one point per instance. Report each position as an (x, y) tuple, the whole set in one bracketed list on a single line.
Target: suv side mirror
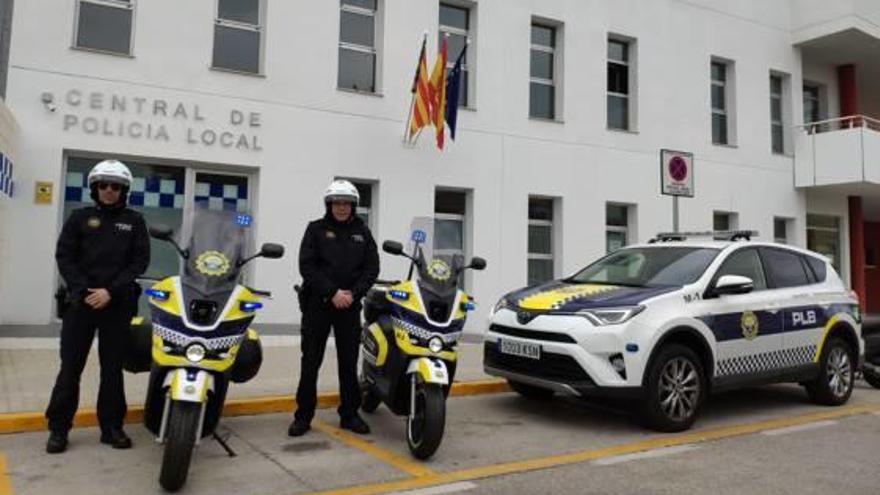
[(271, 250), (733, 284), (161, 232), (477, 263), (392, 247)]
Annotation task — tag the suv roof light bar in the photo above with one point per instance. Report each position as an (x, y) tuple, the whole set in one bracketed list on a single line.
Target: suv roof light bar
[(731, 235)]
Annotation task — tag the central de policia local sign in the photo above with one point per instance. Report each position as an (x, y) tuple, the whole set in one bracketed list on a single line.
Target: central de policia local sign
[(676, 173)]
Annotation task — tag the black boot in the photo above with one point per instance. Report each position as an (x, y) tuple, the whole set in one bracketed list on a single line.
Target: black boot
[(57, 443), (355, 424), (115, 438), (298, 428)]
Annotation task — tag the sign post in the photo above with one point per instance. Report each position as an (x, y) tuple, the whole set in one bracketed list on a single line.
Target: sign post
[(676, 178)]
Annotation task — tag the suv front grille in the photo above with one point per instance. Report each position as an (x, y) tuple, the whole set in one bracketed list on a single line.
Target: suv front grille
[(532, 334), (553, 367)]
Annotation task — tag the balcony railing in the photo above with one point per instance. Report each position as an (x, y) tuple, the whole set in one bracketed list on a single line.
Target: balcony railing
[(839, 151)]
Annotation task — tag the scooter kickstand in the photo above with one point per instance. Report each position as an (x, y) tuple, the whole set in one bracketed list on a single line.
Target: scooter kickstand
[(223, 444)]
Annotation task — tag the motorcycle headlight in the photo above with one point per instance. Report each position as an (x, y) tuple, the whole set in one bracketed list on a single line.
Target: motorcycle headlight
[(611, 316), (195, 353), (501, 304), (435, 344)]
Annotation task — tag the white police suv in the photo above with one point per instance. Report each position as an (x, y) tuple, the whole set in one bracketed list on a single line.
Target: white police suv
[(669, 321)]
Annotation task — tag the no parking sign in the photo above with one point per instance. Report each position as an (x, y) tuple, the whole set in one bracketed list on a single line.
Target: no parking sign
[(676, 173)]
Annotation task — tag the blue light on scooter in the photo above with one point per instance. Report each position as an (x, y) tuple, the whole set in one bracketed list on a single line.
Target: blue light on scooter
[(250, 305), (399, 294), (161, 295), (468, 306)]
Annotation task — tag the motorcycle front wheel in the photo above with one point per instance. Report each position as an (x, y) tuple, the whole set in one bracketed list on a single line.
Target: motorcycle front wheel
[(180, 439), (425, 424)]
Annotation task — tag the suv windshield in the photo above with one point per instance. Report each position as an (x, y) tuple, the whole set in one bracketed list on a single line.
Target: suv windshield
[(648, 267)]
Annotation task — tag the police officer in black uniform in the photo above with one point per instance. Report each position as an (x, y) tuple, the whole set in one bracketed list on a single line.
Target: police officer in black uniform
[(100, 252), (339, 262)]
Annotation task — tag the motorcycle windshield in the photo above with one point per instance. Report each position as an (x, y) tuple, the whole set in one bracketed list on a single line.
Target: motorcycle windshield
[(436, 243), (216, 248)]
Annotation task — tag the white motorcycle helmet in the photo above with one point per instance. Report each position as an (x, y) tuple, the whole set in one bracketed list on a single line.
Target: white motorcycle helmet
[(110, 171), (342, 190)]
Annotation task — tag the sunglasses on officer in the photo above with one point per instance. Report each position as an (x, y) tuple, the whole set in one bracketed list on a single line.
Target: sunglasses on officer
[(112, 185)]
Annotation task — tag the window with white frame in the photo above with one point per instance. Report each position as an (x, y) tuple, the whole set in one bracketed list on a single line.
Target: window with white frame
[(722, 118), (781, 228), (542, 81), (619, 82), (777, 124), (455, 23), (724, 221), (450, 219), (105, 25), (617, 226), (823, 236), (238, 36), (540, 246), (357, 45), (812, 104)]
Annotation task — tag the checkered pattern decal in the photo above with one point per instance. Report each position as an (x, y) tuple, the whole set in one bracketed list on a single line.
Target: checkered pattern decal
[(767, 361), (219, 196), (7, 186), (150, 192)]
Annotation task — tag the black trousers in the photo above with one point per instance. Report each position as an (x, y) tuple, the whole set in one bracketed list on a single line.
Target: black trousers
[(77, 333), (316, 323)]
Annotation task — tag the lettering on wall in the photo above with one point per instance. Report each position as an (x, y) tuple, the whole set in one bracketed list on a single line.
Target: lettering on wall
[(133, 117)]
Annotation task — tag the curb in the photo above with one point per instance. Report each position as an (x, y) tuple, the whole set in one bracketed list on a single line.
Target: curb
[(35, 421)]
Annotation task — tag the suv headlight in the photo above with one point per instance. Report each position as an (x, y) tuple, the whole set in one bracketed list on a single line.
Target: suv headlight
[(611, 316), (501, 304)]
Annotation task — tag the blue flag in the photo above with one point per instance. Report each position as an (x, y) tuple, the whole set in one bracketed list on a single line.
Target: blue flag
[(453, 87)]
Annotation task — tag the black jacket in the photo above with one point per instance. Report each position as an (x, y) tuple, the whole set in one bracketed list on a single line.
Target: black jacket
[(335, 256), (103, 248)]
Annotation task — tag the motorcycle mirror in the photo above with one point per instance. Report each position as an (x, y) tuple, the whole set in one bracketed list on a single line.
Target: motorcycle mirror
[(161, 232), (477, 263), (392, 247), (271, 250)]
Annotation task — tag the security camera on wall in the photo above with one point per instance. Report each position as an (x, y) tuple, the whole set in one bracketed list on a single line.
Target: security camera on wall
[(48, 100)]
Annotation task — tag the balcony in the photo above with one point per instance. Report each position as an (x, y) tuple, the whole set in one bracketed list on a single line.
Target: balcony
[(838, 152)]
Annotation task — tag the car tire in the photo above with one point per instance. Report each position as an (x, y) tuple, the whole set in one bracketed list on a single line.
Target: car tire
[(834, 383), (872, 378), (530, 391), (675, 389)]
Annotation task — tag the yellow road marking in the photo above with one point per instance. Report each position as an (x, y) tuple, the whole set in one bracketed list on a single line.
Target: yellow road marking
[(5, 481), (697, 436), (35, 421), (386, 456)]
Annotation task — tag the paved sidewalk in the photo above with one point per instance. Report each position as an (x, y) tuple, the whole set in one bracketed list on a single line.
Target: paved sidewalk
[(28, 367)]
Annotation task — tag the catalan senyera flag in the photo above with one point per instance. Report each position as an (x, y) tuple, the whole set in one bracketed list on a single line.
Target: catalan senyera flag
[(421, 90), (438, 94)]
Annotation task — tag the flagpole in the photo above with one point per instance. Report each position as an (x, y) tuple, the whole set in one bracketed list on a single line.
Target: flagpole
[(412, 100)]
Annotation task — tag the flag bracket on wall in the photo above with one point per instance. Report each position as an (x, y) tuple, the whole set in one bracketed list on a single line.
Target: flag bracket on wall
[(434, 98)]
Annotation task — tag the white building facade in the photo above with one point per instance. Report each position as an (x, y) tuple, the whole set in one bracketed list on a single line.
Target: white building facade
[(256, 105)]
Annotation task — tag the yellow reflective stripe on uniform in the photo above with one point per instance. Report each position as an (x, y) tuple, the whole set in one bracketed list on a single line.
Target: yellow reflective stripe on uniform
[(828, 326), (137, 320)]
